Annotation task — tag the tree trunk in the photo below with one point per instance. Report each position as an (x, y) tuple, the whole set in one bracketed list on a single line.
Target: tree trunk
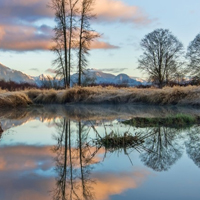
[(65, 42)]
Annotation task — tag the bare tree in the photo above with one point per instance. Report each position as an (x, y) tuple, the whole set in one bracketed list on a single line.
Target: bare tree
[(193, 55), (73, 11), (59, 7), (162, 56), (72, 15), (59, 62), (86, 35)]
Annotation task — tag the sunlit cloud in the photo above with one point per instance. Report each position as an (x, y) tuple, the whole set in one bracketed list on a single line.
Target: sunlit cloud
[(23, 38), (17, 11), (18, 19), (102, 45), (117, 10), (105, 10), (2, 32), (30, 38)]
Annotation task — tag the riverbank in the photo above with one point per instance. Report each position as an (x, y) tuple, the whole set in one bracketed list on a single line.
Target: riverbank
[(181, 96), (98, 114)]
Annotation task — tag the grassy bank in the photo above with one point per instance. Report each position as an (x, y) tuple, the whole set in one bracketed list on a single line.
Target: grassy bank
[(189, 95), (14, 99), (176, 121)]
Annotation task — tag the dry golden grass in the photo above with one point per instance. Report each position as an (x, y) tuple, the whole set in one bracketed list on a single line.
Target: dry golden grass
[(14, 99), (2, 91), (189, 95)]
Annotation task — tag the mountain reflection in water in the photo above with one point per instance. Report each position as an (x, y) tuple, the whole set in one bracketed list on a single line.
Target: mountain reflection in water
[(79, 166)]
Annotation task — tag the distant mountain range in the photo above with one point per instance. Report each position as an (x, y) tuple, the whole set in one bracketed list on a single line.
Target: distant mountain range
[(91, 75), (99, 77)]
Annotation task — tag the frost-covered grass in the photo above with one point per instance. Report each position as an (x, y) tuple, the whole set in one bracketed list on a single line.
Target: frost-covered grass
[(14, 99), (189, 95)]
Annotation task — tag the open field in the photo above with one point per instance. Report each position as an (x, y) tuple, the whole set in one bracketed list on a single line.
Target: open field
[(189, 95)]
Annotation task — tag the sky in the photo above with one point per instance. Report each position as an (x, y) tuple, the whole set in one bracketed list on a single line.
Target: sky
[(26, 32)]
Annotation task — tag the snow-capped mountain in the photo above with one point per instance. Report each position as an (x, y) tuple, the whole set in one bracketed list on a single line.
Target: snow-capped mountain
[(42, 79), (142, 81), (8, 74), (90, 76), (99, 77)]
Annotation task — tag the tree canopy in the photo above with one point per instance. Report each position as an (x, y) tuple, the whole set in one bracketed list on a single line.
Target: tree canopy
[(162, 56), (193, 55)]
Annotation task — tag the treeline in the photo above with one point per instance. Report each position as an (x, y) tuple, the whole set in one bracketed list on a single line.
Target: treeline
[(13, 86)]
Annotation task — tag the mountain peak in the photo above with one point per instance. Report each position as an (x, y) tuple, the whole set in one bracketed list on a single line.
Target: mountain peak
[(8, 74), (94, 75)]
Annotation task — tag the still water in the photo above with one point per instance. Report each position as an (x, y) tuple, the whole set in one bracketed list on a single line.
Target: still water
[(54, 153)]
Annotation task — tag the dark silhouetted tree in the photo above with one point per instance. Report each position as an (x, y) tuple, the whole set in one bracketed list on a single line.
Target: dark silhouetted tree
[(59, 62), (72, 31), (60, 38), (193, 55), (162, 56), (86, 35)]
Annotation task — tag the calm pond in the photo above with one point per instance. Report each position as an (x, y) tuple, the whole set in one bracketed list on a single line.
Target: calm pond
[(58, 153)]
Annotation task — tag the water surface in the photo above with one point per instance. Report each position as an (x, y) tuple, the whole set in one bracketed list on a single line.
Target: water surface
[(53, 152)]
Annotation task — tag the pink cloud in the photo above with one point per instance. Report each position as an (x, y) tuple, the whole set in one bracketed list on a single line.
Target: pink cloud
[(21, 38), (24, 2), (29, 38), (31, 10), (2, 32), (117, 10), (19, 34), (106, 10), (102, 45)]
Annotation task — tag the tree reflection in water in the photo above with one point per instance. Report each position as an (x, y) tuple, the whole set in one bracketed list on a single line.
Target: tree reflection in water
[(164, 148), (76, 156), (73, 163), (193, 145)]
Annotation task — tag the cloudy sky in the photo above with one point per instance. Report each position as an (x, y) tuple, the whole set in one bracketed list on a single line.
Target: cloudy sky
[(26, 32)]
